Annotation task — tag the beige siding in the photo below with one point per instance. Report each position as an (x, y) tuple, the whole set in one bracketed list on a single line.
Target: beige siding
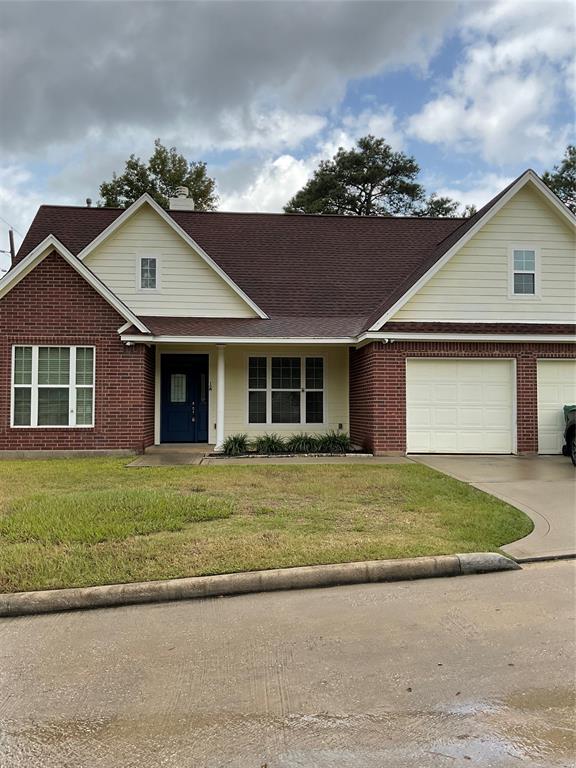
[(236, 383), (188, 285), (474, 284)]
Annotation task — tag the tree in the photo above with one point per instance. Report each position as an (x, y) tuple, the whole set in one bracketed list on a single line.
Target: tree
[(166, 170), (562, 180), (369, 180)]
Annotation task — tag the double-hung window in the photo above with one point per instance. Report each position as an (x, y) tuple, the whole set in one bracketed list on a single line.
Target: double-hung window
[(286, 390), (148, 278), (53, 386), (523, 268)]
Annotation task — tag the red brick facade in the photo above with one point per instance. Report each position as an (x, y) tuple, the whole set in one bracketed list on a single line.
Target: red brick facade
[(54, 305), (378, 387)]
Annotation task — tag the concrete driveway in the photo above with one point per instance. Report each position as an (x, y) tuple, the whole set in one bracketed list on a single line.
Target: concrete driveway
[(544, 487)]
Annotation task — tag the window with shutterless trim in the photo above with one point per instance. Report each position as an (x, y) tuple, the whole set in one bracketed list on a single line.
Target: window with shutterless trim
[(286, 390), (148, 273), (523, 272), (53, 386)]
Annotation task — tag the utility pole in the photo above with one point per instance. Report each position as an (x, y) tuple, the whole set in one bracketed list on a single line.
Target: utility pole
[(12, 249)]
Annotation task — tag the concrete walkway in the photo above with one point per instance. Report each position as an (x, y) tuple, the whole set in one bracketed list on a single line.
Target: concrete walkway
[(544, 487)]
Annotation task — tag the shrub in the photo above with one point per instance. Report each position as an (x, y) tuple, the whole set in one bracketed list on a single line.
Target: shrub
[(302, 443), (271, 443), (333, 442), (235, 445)]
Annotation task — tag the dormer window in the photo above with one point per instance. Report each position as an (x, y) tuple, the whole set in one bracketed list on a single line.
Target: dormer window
[(523, 272), (148, 273)]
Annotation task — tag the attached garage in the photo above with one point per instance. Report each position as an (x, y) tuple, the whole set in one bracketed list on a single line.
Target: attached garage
[(460, 406), (556, 388)]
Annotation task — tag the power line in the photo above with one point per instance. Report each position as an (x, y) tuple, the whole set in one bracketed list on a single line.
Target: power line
[(11, 227)]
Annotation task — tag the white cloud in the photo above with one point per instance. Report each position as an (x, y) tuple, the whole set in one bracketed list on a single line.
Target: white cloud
[(274, 184), (474, 191), (501, 99)]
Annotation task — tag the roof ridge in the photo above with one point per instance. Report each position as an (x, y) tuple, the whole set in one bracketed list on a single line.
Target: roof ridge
[(350, 217)]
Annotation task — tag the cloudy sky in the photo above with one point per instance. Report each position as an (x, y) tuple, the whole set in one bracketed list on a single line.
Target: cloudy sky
[(261, 91)]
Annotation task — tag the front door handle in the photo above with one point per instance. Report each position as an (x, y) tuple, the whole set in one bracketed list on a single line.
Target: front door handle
[(193, 411)]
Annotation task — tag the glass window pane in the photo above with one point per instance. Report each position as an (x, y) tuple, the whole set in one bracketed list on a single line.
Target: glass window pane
[(178, 388), (52, 407), (285, 373), (314, 407), (84, 406), (148, 273), (314, 373), (257, 407), (22, 406), (524, 283), (53, 365), (84, 365), (524, 261), (257, 373), (23, 365), (286, 407)]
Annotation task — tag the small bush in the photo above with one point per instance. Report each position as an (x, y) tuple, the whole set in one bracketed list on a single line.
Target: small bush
[(271, 443), (302, 443), (333, 442), (235, 445)]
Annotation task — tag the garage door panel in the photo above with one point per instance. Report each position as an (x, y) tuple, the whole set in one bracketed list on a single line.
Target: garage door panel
[(419, 417), (459, 406), (444, 393), (556, 388)]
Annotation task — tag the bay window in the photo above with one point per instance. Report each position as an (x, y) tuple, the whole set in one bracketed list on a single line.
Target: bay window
[(285, 390), (53, 386)]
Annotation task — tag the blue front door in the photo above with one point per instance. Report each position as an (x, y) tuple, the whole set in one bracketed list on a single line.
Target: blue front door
[(184, 399)]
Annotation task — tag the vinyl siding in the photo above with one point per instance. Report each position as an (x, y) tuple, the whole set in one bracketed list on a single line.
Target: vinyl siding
[(474, 284), (189, 287), (236, 384)]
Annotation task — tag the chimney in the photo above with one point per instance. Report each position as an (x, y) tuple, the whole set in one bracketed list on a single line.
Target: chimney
[(182, 201)]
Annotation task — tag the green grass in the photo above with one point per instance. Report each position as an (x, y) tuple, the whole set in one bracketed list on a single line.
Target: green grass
[(77, 522)]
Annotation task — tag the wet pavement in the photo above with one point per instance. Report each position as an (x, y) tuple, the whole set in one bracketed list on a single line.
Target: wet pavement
[(470, 671)]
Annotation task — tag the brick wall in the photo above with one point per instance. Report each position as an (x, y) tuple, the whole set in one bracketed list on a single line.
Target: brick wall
[(54, 305), (378, 387)]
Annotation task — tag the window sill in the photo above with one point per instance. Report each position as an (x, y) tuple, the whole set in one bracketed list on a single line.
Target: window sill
[(55, 426)]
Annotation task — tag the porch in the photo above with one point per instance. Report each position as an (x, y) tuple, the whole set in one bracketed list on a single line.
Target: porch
[(205, 392)]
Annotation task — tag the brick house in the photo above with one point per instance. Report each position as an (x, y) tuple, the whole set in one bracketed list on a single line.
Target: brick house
[(120, 329)]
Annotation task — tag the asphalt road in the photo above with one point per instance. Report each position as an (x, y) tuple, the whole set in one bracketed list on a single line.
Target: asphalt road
[(470, 671)]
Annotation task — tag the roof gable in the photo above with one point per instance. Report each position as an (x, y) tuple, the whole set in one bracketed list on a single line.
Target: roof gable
[(42, 250), (146, 200), (457, 239)]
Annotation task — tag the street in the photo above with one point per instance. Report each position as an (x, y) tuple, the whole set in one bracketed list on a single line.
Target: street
[(469, 671)]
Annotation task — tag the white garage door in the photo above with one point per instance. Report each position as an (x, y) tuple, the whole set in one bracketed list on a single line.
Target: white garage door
[(556, 388), (459, 406)]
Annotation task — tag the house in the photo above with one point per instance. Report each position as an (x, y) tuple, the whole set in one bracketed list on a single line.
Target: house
[(120, 329)]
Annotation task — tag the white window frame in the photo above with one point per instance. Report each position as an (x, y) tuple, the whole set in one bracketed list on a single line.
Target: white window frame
[(269, 390), (139, 258), (34, 387), (536, 296)]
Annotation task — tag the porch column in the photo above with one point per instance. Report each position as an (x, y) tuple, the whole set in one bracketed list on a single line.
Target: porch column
[(220, 393)]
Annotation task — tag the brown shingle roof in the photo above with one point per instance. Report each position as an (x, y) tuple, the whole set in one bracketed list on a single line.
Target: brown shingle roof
[(562, 329), (290, 265), (310, 327)]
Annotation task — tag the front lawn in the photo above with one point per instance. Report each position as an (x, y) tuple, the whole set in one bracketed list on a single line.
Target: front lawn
[(77, 522)]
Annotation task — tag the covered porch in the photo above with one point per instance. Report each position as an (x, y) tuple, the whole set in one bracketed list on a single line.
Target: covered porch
[(205, 392)]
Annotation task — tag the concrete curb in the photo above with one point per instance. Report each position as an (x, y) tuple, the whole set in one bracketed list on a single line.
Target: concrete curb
[(50, 601)]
